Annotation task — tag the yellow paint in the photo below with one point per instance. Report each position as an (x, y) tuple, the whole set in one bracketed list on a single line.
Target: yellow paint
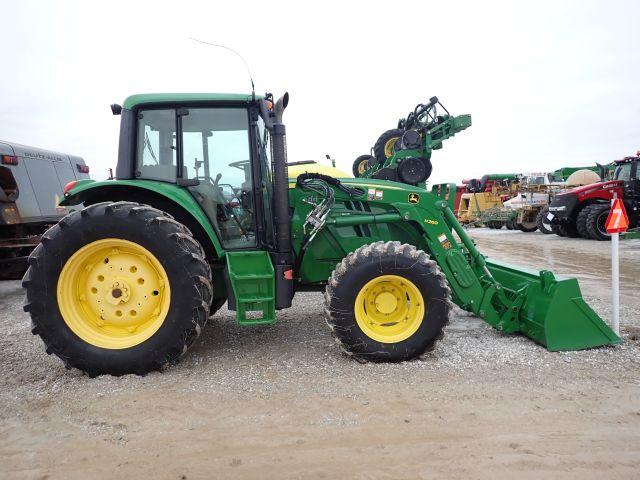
[(295, 170), (113, 293), (389, 309), (388, 147), (472, 205)]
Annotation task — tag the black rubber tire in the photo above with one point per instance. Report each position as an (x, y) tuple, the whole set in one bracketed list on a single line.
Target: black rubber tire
[(489, 225), (368, 262), (378, 148), (358, 162), (596, 220), (541, 221), (216, 304), (509, 224), (568, 230), (171, 242), (498, 225), (555, 228), (527, 228), (581, 222)]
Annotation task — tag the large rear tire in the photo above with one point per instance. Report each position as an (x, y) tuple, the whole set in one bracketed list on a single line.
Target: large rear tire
[(596, 220), (387, 302), (118, 288), (386, 144)]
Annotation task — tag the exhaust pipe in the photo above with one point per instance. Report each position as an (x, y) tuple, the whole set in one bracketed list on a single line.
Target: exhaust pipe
[(281, 178), (283, 258)]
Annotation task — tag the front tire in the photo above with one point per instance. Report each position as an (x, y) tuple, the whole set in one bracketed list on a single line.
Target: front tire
[(527, 227), (387, 302), (543, 223), (118, 288), (596, 220), (568, 230), (582, 220)]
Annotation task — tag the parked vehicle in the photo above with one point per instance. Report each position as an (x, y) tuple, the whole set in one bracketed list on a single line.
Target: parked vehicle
[(31, 186), (582, 211), (127, 284)]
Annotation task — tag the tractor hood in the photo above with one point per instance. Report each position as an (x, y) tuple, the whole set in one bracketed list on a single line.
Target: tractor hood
[(594, 187)]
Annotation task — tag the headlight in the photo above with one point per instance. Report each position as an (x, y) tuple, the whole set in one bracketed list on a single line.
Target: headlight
[(9, 214), (558, 209)]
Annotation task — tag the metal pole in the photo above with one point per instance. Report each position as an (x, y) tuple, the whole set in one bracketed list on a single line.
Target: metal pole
[(615, 280)]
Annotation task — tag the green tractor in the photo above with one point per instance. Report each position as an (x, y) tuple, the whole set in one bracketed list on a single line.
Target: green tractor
[(202, 212), (403, 154)]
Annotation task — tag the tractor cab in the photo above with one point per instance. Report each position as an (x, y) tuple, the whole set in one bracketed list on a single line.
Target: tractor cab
[(215, 147), (628, 171)]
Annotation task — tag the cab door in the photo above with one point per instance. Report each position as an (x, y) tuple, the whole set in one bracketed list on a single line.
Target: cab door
[(216, 163)]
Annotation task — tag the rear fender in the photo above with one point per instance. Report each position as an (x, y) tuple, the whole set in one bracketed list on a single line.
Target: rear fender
[(170, 198)]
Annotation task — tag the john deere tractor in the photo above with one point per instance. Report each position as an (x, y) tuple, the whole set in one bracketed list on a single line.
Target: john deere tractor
[(202, 212), (403, 154)]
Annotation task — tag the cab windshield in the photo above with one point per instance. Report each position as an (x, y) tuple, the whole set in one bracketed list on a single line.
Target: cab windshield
[(623, 172)]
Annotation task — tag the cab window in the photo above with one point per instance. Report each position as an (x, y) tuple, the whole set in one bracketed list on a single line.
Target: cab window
[(623, 172), (156, 145)]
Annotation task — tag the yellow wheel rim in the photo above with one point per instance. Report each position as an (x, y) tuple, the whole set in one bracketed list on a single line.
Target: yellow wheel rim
[(113, 293), (388, 147), (362, 166), (389, 309)]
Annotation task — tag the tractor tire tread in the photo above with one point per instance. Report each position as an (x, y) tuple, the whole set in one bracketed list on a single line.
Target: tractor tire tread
[(581, 222), (542, 214), (361, 256), (592, 222), (162, 225), (378, 147)]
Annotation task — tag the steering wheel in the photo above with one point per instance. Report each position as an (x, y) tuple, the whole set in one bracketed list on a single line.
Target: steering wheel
[(239, 164)]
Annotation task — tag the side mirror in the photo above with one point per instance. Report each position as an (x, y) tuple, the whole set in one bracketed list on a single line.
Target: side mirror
[(267, 114)]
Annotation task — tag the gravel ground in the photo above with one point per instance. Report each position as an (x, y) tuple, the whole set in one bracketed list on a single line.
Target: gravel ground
[(284, 402)]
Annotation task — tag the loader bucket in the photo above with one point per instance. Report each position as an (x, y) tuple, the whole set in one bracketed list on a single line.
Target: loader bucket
[(554, 313)]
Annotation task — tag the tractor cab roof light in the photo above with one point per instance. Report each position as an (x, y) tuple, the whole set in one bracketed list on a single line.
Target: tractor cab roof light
[(82, 168), (9, 160)]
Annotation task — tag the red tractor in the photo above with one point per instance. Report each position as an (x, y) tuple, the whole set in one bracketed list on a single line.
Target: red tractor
[(583, 211)]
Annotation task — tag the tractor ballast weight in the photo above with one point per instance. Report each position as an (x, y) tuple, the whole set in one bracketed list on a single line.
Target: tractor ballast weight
[(377, 248)]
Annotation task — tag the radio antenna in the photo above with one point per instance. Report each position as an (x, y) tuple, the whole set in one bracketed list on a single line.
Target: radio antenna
[(253, 88)]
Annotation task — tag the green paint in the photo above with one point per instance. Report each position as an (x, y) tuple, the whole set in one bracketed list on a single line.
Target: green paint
[(171, 191), (251, 276), (146, 98), (431, 140)]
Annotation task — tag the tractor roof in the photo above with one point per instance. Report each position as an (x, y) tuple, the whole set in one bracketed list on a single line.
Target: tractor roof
[(145, 98), (627, 159)]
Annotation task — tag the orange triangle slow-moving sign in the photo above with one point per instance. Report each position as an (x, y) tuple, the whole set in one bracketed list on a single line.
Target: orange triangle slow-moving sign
[(617, 221)]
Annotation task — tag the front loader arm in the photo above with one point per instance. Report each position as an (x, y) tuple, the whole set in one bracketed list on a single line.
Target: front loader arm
[(511, 299)]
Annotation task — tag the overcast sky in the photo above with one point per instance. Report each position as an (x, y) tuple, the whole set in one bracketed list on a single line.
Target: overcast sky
[(548, 84)]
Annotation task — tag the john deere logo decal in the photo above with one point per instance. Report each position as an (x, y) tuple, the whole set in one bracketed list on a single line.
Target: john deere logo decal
[(414, 198)]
